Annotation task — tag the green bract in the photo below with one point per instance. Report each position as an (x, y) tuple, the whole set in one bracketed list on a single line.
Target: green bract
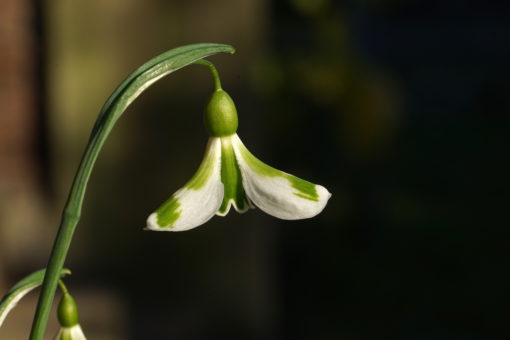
[(22, 288), (231, 176)]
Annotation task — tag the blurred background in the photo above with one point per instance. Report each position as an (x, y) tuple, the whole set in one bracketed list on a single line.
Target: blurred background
[(399, 108)]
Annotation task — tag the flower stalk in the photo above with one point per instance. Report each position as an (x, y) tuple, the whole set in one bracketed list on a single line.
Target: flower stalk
[(214, 72)]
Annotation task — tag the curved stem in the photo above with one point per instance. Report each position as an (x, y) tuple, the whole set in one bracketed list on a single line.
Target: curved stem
[(212, 68), (122, 97), (63, 287)]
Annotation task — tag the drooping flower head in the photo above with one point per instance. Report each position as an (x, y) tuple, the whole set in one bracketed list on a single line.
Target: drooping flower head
[(67, 312), (230, 175)]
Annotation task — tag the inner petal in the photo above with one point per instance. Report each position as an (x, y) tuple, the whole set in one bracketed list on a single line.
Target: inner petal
[(232, 180)]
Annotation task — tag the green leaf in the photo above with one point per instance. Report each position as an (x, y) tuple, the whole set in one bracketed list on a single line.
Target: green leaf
[(22, 288)]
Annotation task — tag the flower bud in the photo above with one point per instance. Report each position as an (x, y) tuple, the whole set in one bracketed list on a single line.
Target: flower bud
[(220, 115), (67, 311)]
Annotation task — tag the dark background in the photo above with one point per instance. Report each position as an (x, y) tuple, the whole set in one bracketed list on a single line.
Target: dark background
[(399, 108)]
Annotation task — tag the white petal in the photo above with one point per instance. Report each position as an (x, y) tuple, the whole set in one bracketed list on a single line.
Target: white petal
[(77, 333), (71, 333), (197, 201), (275, 192)]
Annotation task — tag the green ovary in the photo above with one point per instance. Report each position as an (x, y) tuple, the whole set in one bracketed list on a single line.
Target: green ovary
[(220, 115), (168, 213), (231, 178), (307, 190)]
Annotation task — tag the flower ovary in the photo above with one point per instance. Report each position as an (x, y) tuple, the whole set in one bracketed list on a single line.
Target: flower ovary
[(220, 115), (67, 311)]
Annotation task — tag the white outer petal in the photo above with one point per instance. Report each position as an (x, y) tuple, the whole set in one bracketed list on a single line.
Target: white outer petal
[(197, 206), (275, 195), (75, 332)]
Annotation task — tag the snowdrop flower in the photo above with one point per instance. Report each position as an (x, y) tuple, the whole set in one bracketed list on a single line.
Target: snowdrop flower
[(230, 175), (68, 317)]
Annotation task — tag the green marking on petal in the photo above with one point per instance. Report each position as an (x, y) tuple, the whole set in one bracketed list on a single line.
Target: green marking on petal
[(258, 166), (307, 190), (231, 178), (204, 172), (169, 212), (66, 334)]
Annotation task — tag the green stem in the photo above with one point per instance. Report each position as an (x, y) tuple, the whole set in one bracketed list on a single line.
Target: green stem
[(124, 95), (63, 287), (212, 68)]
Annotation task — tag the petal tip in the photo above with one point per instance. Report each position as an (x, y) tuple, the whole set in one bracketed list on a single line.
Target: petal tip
[(324, 193), (323, 197), (152, 223)]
